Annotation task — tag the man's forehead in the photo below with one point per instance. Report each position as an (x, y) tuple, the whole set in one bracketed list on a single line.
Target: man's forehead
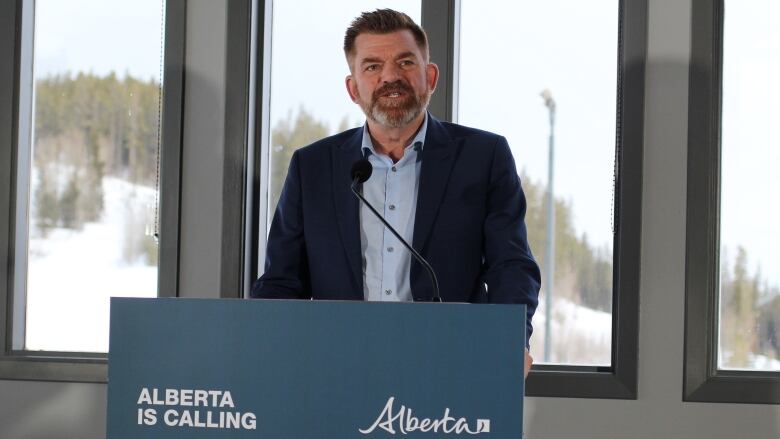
[(393, 43)]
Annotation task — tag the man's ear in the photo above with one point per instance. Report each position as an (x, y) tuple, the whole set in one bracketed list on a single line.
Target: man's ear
[(432, 73), (349, 81)]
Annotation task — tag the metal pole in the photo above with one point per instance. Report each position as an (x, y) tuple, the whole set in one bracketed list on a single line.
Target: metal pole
[(549, 243)]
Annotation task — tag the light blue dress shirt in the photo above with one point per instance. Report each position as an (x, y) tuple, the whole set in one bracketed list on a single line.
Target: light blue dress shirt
[(392, 190)]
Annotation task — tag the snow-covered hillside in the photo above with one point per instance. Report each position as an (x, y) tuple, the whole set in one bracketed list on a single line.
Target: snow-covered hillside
[(580, 335), (73, 273)]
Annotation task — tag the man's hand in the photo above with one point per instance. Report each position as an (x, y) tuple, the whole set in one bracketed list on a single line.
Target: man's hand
[(529, 361)]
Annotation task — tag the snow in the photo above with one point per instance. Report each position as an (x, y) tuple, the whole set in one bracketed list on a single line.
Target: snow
[(580, 335), (762, 362), (754, 361), (73, 273)]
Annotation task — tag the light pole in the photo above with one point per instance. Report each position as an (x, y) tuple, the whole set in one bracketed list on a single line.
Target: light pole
[(549, 242)]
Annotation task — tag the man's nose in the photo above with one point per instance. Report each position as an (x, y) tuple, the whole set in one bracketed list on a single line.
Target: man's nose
[(391, 73)]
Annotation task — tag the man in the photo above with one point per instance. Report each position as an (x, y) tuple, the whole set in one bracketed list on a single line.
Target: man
[(452, 191)]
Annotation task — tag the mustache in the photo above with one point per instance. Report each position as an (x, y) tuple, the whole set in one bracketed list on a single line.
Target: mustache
[(393, 87)]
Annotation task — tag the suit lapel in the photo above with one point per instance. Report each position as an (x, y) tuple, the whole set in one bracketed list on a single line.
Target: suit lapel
[(437, 162), (347, 207)]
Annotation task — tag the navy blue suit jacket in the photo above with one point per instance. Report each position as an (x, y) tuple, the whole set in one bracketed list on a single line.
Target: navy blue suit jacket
[(469, 223)]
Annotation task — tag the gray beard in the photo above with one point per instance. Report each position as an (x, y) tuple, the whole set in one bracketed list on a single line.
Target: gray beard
[(395, 118)]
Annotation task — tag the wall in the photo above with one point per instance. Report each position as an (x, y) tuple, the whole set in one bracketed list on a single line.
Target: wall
[(32, 410), (202, 159)]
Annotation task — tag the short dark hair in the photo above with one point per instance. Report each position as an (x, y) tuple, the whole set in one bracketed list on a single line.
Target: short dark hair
[(383, 21)]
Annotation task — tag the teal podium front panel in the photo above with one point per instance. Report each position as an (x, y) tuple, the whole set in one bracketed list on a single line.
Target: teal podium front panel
[(277, 369)]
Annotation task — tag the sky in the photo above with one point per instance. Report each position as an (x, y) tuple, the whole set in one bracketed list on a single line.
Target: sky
[(751, 143), (100, 37), (509, 55), (510, 51)]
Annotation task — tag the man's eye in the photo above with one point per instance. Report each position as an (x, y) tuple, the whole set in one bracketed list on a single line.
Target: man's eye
[(407, 62), (371, 68)]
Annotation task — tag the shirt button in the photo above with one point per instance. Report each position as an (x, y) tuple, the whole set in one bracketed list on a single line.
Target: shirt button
[(390, 249), (392, 207), (388, 292), (393, 168)]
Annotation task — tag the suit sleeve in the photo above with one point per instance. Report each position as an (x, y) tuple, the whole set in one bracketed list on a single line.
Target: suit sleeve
[(511, 273), (286, 273)]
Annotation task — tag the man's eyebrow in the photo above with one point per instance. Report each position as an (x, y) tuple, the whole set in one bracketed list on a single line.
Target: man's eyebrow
[(407, 54), (370, 60), (402, 55)]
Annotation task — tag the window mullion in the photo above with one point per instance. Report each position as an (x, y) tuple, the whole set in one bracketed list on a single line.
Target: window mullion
[(440, 19)]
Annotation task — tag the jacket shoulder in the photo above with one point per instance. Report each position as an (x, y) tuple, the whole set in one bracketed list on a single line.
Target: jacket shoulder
[(325, 145)]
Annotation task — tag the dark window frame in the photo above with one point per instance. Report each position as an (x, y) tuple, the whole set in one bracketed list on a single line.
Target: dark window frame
[(79, 366), (619, 380), (257, 166), (703, 381), (239, 133)]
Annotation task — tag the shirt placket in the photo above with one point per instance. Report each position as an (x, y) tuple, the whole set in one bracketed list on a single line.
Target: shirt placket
[(389, 242)]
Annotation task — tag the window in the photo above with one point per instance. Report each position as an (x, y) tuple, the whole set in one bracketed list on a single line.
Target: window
[(750, 266), (522, 86), (92, 171), (544, 75), (86, 141), (733, 282)]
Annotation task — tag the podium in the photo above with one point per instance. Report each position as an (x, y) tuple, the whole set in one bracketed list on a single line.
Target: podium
[(279, 369)]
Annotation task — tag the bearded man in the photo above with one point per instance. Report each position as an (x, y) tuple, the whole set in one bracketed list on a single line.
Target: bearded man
[(452, 191)]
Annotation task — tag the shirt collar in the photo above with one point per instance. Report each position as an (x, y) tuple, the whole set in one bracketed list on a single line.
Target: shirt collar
[(418, 141)]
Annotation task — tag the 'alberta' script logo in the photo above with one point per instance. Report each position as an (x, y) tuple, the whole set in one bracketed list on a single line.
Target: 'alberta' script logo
[(403, 420)]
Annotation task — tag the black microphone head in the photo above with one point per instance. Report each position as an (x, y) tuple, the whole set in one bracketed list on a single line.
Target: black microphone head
[(361, 170)]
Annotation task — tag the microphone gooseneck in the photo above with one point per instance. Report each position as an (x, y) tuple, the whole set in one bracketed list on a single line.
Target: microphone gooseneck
[(361, 171)]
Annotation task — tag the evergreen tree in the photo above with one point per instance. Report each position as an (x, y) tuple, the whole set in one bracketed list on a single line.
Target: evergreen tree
[(45, 201), (738, 313), (117, 117), (91, 202), (583, 273), (769, 325), (69, 214), (88, 127), (286, 137)]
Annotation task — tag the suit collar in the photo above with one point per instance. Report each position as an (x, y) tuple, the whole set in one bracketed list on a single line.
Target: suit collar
[(417, 143), (437, 163), (437, 137)]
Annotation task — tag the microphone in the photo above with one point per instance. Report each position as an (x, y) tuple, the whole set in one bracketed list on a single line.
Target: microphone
[(361, 171)]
